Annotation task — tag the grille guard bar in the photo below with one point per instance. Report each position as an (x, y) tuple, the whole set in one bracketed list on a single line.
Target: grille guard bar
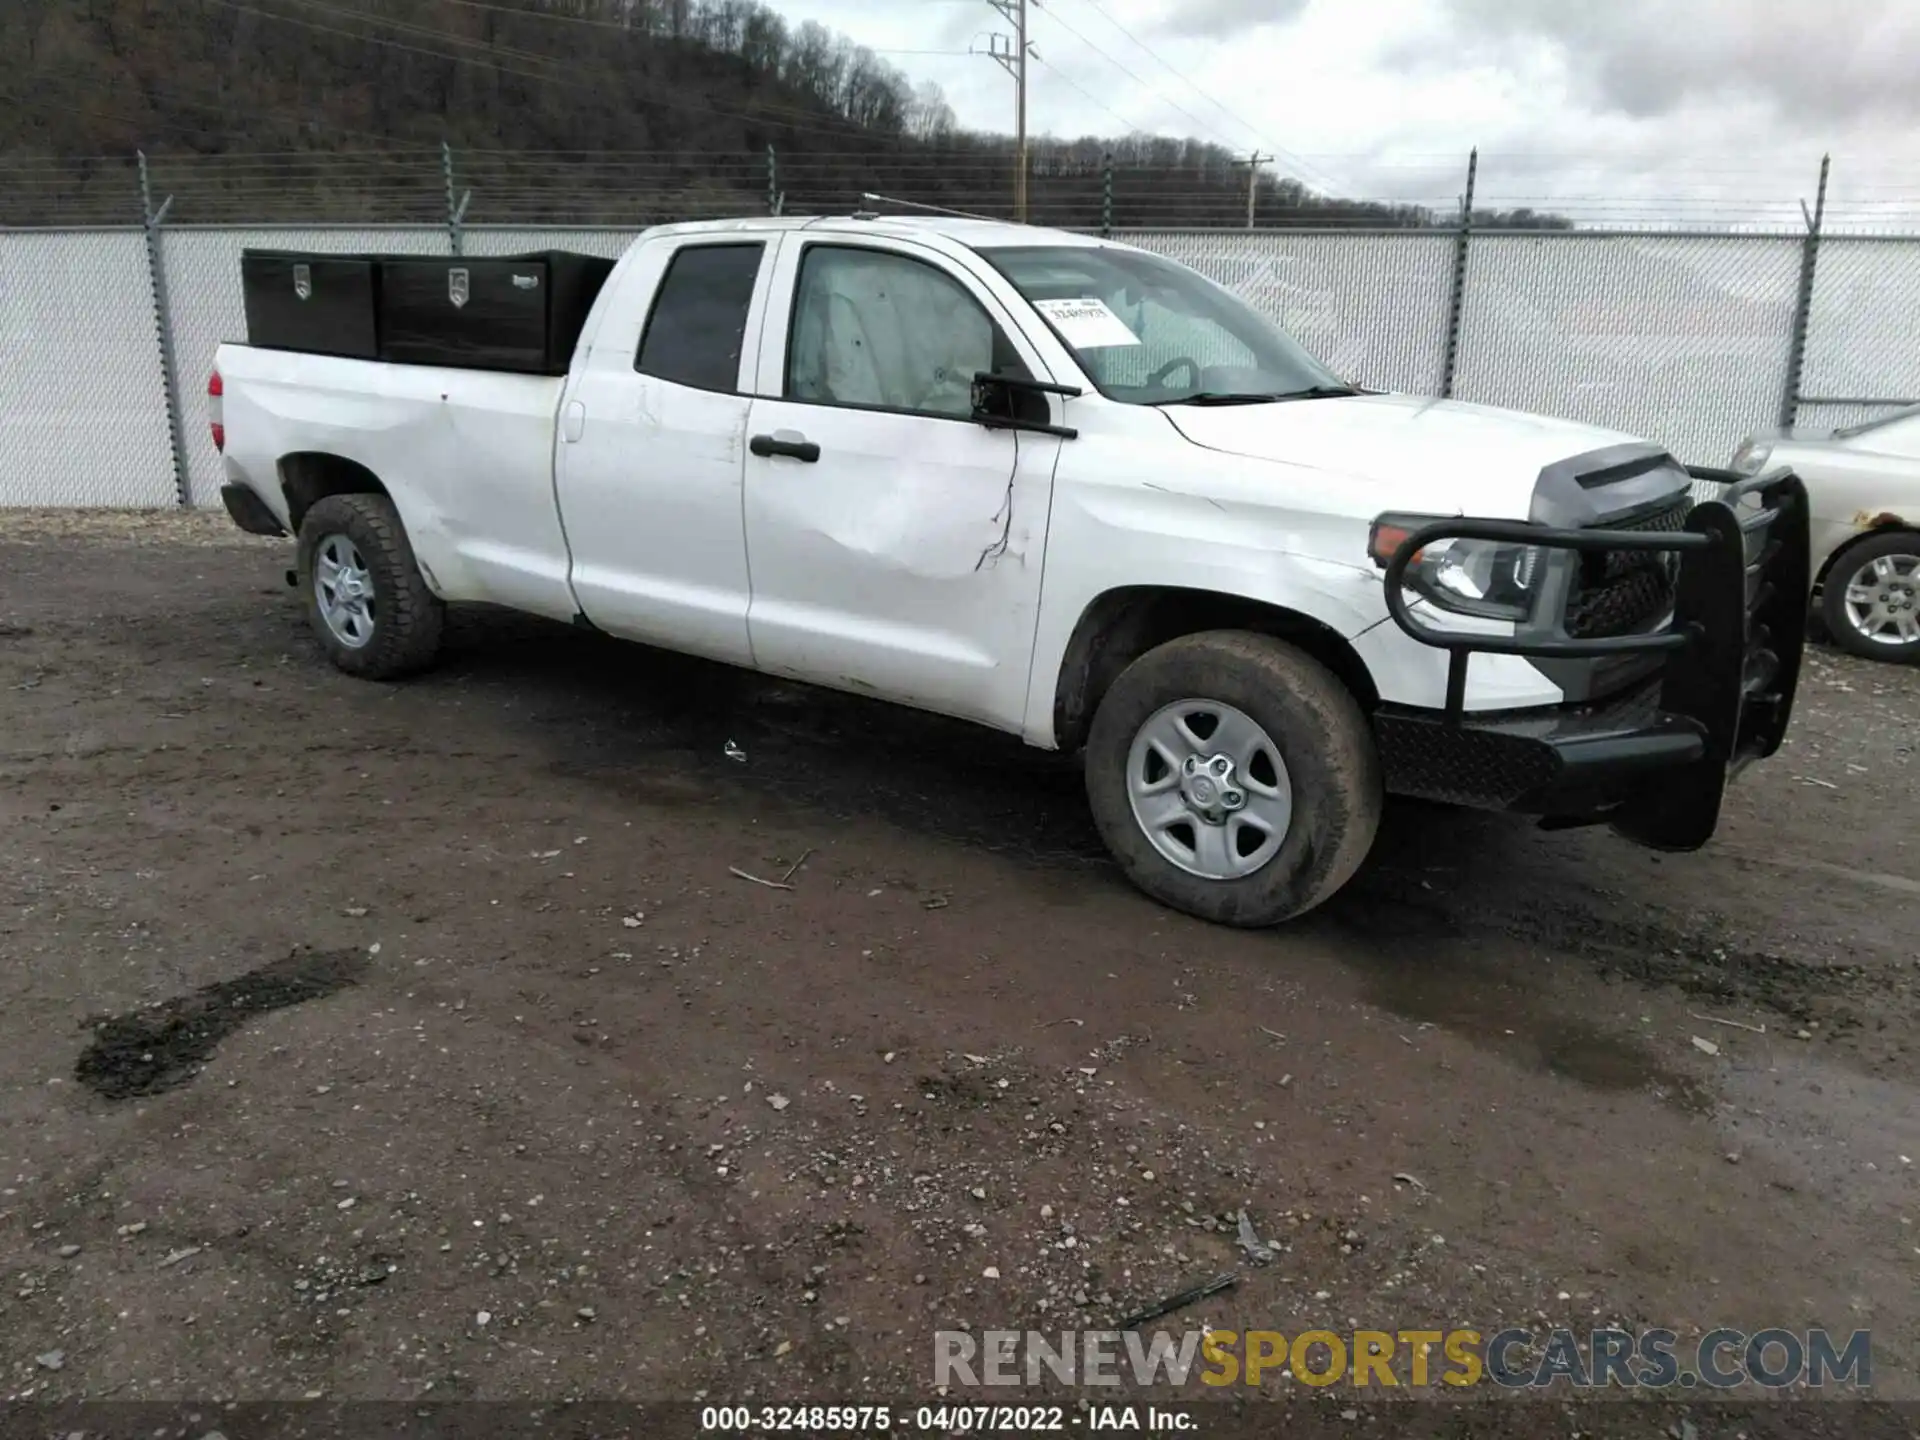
[(1733, 643)]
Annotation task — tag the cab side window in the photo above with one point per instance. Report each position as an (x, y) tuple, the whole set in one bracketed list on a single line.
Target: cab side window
[(698, 326), (876, 330)]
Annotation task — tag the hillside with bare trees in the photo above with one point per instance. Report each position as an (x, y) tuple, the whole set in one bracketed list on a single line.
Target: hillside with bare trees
[(555, 110)]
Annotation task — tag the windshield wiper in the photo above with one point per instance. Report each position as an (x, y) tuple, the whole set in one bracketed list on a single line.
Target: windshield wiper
[(1322, 392), (1222, 397), (1269, 397)]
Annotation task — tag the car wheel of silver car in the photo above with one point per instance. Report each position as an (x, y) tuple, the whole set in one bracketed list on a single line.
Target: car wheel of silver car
[(365, 596), (1871, 597), (1234, 778)]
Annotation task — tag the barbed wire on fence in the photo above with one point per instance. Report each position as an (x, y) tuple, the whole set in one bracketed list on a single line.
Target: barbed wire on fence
[(1691, 336), (430, 185)]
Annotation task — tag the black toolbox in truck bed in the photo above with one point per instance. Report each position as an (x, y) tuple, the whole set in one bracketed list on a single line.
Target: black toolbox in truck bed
[(518, 313), (320, 304)]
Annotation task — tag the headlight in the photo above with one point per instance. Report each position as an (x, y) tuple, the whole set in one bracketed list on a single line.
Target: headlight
[(1751, 456), (1489, 579)]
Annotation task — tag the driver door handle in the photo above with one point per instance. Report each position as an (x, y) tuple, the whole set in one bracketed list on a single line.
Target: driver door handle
[(789, 443)]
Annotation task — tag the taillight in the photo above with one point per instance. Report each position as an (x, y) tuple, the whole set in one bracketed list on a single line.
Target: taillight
[(216, 388), (215, 385), (219, 437)]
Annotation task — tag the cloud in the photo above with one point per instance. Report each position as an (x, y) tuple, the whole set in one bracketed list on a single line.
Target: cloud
[(1225, 19), (1609, 111), (1833, 60)]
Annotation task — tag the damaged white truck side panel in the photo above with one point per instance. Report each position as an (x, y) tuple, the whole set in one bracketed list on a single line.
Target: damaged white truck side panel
[(1034, 480), (906, 560)]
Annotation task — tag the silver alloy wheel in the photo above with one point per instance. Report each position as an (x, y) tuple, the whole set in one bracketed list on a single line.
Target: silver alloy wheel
[(1209, 789), (344, 591), (1883, 600)]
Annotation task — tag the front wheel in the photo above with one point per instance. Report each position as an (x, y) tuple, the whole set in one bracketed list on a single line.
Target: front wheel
[(1871, 598), (1234, 778)]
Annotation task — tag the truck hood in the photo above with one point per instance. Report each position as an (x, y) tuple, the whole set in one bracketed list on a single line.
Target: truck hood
[(1441, 455)]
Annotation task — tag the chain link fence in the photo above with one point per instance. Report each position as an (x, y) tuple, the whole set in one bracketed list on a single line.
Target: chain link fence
[(1372, 306), (524, 241), (1861, 345), (83, 402), (1681, 339), (203, 292), (1687, 339)]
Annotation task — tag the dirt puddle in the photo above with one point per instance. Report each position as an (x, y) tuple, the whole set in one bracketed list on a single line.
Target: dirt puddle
[(158, 1047)]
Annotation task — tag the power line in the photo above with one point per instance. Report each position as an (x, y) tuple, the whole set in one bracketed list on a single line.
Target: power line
[(554, 15), (1231, 145), (1089, 96), (539, 57), (1300, 162), (199, 133), (772, 115), (224, 105)]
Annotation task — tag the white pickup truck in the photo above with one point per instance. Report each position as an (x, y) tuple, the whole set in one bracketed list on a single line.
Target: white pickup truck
[(1076, 492)]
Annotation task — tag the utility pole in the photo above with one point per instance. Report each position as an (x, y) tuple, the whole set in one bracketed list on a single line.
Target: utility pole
[(1253, 181), (1012, 57)]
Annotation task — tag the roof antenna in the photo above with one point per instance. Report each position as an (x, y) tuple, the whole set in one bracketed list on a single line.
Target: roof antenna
[(871, 199)]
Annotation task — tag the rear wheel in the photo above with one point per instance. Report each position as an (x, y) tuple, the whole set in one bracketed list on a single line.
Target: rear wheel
[(366, 599), (1234, 778), (1871, 598)]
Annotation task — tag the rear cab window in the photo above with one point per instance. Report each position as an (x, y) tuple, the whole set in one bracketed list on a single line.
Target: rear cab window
[(697, 329)]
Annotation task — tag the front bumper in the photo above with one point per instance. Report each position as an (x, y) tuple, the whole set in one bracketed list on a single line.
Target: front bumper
[(1568, 760), (1653, 763)]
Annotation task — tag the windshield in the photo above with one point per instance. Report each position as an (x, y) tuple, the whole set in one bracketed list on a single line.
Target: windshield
[(1150, 332)]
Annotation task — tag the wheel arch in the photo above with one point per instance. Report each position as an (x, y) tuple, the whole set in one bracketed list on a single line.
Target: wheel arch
[(1120, 625), (310, 476), (1872, 528)]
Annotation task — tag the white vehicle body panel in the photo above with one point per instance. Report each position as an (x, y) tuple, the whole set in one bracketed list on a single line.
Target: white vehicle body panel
[(906, 562), (1406, 452), (923, 558), (466, 455), (634, 446)]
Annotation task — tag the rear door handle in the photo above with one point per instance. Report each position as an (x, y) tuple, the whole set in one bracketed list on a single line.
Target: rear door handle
[(785, 442), (576, 422)]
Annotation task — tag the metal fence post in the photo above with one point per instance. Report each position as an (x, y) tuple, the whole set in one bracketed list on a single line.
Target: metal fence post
[(1803, 302), (456, 211), (1106, 196), (151, 221), (773, 181), (1457, 298)]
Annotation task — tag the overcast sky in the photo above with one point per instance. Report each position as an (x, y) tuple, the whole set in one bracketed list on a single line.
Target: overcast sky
[(1666, 109)]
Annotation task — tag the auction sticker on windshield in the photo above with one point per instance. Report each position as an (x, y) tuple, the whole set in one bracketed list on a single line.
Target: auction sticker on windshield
[(1087, 324)]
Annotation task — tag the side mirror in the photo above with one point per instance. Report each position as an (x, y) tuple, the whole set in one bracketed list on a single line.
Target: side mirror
[(1008, 402)]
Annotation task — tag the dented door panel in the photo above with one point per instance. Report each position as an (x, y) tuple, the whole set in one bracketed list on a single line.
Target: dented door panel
[(905, 562), (894, 545)]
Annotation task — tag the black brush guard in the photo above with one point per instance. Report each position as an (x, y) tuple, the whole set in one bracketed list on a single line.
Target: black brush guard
[(1655, 762)]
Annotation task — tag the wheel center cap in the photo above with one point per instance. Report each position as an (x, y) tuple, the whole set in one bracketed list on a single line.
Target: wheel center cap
[(1210, 787)]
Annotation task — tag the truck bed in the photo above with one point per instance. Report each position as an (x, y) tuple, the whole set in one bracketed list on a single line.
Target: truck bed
[(448, 444)]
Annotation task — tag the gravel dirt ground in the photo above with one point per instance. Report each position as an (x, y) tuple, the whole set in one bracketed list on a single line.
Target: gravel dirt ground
[(425, 1041)]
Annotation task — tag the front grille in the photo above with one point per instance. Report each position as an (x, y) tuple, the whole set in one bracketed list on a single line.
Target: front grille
[(1624, 592)]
